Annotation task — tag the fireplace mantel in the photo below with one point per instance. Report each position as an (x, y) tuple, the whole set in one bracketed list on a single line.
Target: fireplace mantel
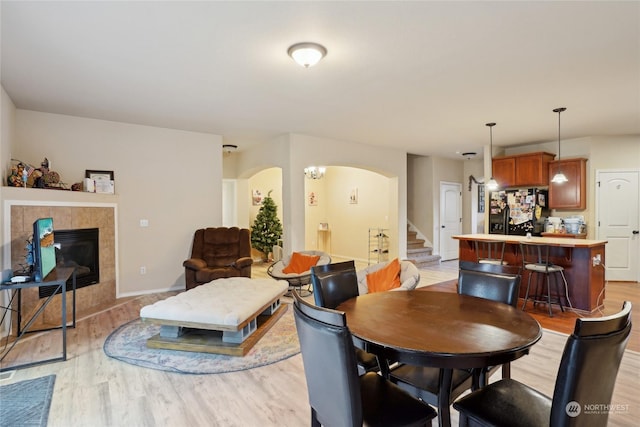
[(55, 197)]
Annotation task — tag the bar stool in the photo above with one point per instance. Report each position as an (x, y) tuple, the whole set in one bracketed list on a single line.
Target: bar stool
[(535, 259), (490, 251)]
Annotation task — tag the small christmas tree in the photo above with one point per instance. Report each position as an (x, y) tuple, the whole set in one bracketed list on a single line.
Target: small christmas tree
[(266, 229)]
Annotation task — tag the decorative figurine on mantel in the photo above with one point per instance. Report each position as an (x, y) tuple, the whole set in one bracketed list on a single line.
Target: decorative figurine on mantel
[(25, 175), (17, 175)]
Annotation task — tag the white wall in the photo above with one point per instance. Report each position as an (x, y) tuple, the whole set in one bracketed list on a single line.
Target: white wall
[(350, 222), (171, 178), (420, 194), (7, 136)]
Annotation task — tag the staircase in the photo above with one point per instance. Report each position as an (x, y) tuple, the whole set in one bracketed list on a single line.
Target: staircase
[(417, 253)]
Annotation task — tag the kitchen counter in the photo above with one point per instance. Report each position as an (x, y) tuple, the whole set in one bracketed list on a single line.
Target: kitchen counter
[(553, 241), (585, 280)]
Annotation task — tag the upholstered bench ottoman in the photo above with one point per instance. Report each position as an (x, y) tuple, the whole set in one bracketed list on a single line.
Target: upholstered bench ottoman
[(226, 316)]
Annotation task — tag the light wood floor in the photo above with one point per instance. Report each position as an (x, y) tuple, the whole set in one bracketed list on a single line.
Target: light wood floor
[(94, 390)]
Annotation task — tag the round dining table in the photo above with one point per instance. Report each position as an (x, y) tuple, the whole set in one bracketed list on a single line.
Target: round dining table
[(439, 329)]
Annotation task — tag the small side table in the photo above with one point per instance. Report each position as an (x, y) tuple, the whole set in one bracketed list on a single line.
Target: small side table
[(58, 277)]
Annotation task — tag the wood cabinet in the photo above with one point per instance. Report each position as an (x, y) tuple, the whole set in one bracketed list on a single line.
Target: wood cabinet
[(573, 193), (522, 170), (504, 171)]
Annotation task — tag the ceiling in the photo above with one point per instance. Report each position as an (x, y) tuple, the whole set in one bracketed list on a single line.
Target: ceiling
[(423, 77)]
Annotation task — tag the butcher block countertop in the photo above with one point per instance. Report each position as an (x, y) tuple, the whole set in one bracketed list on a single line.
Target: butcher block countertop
[(552, 241)]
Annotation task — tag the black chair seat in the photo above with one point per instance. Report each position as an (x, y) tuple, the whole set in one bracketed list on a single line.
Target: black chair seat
[(384, 405), (524, 407)]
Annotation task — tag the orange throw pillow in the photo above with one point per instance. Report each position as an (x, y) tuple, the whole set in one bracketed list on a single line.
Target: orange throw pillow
[(386, 278), (300, 263)]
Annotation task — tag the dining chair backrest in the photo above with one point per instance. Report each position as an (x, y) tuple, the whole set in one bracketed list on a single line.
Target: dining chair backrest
[(334, 266), (589, 367), (334, 283), (503, 288), (489, 251), (329, 360)]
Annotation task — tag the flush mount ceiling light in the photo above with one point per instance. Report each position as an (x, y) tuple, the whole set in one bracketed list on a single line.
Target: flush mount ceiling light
[(469, 155), (307, 54), (229, 148), (313, 172), (492, 184), (559, 177)]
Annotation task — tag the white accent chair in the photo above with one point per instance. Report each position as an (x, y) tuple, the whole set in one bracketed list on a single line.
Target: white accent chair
[(409, 276)]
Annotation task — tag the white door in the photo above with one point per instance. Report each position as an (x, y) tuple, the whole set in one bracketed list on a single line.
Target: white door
[(450, 219), (617, 221)]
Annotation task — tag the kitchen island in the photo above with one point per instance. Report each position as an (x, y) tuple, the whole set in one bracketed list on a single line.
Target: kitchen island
[(585, 280)]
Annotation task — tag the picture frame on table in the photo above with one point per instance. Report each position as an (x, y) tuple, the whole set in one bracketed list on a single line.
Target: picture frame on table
[(101, 181)]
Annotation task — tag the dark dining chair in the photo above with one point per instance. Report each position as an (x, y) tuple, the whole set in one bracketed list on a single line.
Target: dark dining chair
[(338, 396), (424, 382), (499, 287), (334, 284), (586, 375)]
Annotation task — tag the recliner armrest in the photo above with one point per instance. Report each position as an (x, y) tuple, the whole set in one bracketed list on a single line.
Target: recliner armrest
[(194, 264), (243, 262)]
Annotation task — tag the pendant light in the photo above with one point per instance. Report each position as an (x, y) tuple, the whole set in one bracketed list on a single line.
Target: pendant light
[(559, 177), (492, 184)]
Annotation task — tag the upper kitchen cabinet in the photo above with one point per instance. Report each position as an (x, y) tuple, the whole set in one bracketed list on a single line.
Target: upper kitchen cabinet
[(504, 171), (573, 193), (531, 169)]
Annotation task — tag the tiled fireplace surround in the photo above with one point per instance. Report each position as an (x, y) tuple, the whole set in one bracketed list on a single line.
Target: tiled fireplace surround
[(88, 298)]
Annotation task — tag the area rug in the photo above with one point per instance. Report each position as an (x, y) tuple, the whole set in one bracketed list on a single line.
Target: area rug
[(26, 403), (128, 344)]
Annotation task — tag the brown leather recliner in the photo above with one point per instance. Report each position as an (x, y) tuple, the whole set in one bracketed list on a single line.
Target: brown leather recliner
[(218, 253)]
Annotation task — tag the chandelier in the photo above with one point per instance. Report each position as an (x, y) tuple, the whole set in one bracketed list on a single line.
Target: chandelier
[(313, 172)]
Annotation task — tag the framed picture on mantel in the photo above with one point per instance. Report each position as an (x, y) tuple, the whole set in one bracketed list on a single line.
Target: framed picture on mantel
[(97, 181)]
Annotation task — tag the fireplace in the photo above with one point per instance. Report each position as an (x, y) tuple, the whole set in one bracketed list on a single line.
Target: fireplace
[(77, 248)]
